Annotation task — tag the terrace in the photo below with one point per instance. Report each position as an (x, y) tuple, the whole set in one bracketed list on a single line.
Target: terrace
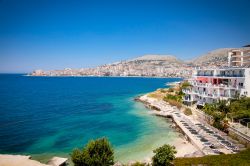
[(210, 85), (229, 72)]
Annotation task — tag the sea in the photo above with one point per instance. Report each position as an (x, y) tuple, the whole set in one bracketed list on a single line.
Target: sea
[(50, 116)]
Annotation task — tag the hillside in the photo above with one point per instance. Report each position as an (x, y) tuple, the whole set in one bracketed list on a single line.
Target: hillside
[(239, 159), (149, 65), (215, 58), (168, 58)]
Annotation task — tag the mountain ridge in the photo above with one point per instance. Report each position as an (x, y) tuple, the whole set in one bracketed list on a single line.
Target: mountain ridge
[(198, 59), (150, 65)]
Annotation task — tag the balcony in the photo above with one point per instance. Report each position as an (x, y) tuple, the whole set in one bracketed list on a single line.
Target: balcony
[(230, 75), (237, 56), (208, 95), (203, 74), (223, 86), (188, 91), (219, 75)]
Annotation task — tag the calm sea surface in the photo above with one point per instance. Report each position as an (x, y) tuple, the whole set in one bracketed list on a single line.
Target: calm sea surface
[(47, 116)]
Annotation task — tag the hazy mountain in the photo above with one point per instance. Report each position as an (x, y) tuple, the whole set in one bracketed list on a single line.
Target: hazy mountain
[(169, 58), (150, 65)]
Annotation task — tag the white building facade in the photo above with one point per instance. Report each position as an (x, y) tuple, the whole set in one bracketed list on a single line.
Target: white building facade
[(212, 85)]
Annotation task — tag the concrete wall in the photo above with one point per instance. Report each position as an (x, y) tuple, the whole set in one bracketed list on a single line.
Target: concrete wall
[(238, 136)]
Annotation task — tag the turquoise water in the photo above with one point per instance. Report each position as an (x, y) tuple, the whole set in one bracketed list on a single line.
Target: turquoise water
[(47, 116)]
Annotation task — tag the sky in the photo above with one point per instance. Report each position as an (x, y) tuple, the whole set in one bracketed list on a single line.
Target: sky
[(55, 34)]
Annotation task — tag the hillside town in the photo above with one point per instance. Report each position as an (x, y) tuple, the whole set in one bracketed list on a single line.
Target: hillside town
[(147, 66), (151, 66)]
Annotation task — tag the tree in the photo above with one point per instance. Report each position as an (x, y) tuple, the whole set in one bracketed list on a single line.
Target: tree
[(185, 84), (164, 155), (222, 106), (97, 152)]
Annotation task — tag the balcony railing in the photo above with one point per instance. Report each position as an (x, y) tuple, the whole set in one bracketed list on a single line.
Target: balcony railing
[(230, 75), (211, 95), (187, 91), (201, 74), (221, 75), (209, 85)]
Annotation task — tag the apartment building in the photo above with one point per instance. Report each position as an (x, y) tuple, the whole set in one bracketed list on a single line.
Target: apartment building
[(212, 85), (238, 58)]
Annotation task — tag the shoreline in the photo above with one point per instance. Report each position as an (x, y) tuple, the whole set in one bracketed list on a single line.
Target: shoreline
[(25, 160), (184, 147), (141, 150), (207, 139), (27, 75), (179, 142)]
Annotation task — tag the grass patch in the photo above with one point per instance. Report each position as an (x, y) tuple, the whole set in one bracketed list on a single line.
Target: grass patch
[(174, 103), (187, 111), (170, 90), (239, 159), (154, 95)]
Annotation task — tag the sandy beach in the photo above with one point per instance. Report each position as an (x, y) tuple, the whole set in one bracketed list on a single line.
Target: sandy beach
[(183, 147)]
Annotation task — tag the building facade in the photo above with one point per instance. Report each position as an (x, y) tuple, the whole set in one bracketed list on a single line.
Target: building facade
[(238, 58), (212, 85)]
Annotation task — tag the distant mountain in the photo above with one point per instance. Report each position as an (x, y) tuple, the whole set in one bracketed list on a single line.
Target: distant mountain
[(169, 58), (218, 56), (149, 65)]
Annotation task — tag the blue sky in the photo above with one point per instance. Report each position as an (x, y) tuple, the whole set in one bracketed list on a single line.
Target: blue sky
[(54, 34)]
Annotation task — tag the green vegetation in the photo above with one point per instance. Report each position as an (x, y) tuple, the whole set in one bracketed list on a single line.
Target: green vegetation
[(187, 111), (178, 94), (240, 159), (139, 164), (185, 85), (174, 103), (164, 155), (175, 95), (171, 97), (97, 152), (236, 109), (163, 90), (170, 90), (240, 108)]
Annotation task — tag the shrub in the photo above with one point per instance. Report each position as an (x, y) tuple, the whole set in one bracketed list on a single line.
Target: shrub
[(139, 164), (171, 97), (174, 103), (170, 90), (239, 159), (218, 125), (164, 155), (163, 91), (185, 84), (96, 152), (187, 111), (153, 95)]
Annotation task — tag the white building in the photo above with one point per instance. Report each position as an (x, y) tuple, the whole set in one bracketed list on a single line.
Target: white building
[(38, 73), (238, 58), (212, 85)]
